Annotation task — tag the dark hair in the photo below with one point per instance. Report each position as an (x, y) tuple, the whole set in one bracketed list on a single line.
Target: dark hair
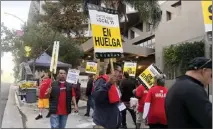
[(49, 74), (61, 69), (160, 80), (90, 75), (126, 75), (116, 65)]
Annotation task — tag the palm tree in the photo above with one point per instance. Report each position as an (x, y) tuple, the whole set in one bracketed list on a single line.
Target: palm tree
[(149, 10)]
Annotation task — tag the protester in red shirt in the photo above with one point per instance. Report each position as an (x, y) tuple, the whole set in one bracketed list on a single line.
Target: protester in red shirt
[(154, 104), (106, 95), (61, 95), (43, 101), (140, 93)]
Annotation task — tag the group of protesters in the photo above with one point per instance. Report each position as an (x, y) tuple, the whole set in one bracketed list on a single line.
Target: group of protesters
[(184, 105)]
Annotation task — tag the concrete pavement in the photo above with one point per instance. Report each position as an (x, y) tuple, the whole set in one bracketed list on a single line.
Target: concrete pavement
[(22, 115), (12, 117), (4, 97), (74, 121)]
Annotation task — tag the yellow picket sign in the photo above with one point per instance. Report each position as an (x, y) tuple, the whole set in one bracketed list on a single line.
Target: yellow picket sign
[(130, 68), (147, 76), (91, 67), (207, 14), (105, 30)]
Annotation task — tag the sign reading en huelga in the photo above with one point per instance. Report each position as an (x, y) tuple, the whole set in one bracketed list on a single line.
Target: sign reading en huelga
[(147, 76), (91, 67), (207, 14), (130, 68), (105, 30), (73, 76)]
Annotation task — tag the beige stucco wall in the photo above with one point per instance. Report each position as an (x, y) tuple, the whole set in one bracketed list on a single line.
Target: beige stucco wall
[(187, 23)]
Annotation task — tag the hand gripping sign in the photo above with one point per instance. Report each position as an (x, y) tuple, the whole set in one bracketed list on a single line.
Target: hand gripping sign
[(73, 76), (91, 68), (147, 76), (130, 68), (105, 31)]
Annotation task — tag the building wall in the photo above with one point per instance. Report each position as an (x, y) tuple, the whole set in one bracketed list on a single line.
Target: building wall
[(186, 23)]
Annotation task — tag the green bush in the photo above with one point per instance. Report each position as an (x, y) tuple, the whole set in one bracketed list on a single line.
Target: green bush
[(178, 56)]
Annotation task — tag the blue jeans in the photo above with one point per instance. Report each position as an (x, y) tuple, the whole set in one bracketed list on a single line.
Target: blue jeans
[(89, 104), (58, 121)]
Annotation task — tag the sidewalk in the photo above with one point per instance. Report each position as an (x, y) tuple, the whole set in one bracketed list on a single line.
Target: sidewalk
[(12, 117), (30, 111), (22, 115)]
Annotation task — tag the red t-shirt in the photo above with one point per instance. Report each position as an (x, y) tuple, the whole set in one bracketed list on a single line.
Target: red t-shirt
[(45, 84), (62, 106), (141, 92), (156, 97), (113, 94)]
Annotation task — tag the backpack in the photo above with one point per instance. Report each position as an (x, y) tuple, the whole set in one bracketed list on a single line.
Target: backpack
[(100, 92)]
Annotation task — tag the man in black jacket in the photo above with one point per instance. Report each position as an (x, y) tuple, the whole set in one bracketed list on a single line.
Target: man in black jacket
[(61, 94), (127, 85), (187, 104), (88, 94)]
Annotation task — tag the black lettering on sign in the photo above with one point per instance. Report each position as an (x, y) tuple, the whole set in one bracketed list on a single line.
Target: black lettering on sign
[(90, 69), (148, 78), (106, 32), (105, 41), (210, 11), (130, 71)]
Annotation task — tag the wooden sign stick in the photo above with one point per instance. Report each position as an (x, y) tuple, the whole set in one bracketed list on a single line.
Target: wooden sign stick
[(98, 67), (112, 66)]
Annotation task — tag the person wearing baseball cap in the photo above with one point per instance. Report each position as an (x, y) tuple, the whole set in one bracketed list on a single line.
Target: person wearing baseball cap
[(187, 104)]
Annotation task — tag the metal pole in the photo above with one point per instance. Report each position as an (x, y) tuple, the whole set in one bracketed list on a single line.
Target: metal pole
[(207, 53)]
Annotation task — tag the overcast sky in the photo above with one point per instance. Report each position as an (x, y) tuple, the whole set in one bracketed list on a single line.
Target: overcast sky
[(18, 8)]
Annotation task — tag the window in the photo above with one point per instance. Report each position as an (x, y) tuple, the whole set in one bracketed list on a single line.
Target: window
[(140, 26), (148, 27), (168, 15), (132, 34)]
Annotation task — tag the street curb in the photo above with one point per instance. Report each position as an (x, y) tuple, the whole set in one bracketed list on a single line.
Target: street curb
[(12, 117)]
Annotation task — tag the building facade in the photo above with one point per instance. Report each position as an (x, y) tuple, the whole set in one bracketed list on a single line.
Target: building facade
[(181, 21)]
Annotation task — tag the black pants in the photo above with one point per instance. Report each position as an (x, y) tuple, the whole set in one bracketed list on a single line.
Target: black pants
[(133, 114), (157, 126), (23, 97)]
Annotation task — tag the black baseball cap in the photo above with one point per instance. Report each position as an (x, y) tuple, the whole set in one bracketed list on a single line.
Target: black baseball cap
[(200, 63)]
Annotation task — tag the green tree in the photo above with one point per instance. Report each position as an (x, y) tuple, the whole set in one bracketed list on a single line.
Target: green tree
[(39, 38), (149, 10), (64, 16)]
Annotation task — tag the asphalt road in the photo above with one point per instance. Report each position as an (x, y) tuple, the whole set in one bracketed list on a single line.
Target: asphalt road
[(4, 96)]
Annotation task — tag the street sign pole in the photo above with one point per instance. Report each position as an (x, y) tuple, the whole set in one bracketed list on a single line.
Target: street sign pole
[(207, 52)]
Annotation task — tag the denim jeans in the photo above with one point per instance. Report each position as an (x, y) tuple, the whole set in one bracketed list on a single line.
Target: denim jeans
[(89, 104), (58, 121)]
